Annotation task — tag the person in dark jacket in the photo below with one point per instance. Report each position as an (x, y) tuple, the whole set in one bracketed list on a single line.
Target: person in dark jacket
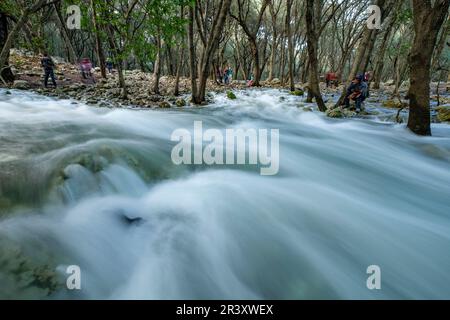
[(109, 65), (48, 65), (357, 92)]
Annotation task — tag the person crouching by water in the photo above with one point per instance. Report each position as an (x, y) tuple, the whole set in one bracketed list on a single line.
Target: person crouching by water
[(48, 65), (356, 92), (86, 69)]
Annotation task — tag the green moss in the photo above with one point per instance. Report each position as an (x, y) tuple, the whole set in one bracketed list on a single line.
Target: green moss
[(180, 103), (443, 114), (393, 104), (297, 93), (231, 95)]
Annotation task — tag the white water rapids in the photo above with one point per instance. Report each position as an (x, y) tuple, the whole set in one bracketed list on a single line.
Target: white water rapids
[(96, 187)]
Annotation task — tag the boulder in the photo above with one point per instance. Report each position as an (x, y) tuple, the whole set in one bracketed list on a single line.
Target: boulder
[(231, 95), (340, 113), (298, 93), (164, 104), (21, 84), (444, 113), (394, 104), (92, 101), (180, 102), (275, 81), (334, 113)]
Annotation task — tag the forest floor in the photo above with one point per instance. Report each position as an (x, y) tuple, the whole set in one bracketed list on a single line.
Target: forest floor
[(107, 93)]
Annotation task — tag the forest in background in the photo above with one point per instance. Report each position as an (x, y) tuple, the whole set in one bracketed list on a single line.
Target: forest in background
[(290, 41)]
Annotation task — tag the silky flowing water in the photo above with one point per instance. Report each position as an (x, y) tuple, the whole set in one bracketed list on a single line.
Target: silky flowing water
[(96, 188)]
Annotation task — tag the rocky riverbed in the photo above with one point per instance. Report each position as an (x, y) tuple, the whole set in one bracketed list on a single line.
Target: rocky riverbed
[(107, 93)]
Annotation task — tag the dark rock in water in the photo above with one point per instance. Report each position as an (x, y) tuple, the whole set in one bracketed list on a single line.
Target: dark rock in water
[(131, 220), (92, 101)]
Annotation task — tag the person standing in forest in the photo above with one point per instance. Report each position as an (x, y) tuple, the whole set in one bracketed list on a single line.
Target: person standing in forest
[(48, 65), (230, 74), (109, 65), (226, 79), (356, 92), (86, 69), (331, 79)]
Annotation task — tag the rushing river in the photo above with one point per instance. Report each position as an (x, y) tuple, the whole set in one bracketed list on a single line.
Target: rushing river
[(96, 188)]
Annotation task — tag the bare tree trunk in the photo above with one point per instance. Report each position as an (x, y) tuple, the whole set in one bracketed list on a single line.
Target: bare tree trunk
[(157, 69), (117, 62), (428, 20), (71, 51), (192, 66), (290, 45), (5, 73), (252, 37), (98, 42), (312, 42), (274, 41), (211, 46), (445, 33), (179, 62), (177, 79)]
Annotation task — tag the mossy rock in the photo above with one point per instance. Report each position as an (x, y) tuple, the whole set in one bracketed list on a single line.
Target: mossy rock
[(394, 104), (24, 276), (340, 113), (164, 105), (297, 93), (308, 109), (443, 113), (231, 95), (334, 113), (180, 103)]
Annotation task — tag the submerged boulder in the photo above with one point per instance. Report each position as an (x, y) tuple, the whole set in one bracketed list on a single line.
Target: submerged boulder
[(25, 275)]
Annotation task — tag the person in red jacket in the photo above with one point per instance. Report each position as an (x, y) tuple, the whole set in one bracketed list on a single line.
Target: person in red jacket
[(331, 79)]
